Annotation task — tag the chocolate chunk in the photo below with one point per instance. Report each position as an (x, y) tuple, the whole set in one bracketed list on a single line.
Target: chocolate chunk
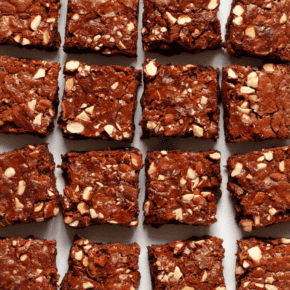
[(101, 187), (182, 187), (28, 190), (99, 102)]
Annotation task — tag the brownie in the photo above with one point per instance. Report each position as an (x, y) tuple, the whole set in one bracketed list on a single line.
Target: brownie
[(28, 264), (28, 95), (259, 29), (99, 102), (28, 190), (259, 186), (182, 187), (176, 26), (180, 101), (188, 265), (263, 263), (97, 266), (30, 23), (101, 187), (106, 27), (256, 103)]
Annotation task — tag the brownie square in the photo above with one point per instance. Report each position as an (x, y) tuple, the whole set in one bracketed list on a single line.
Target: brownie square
[(99, 102), (28, 264), (177, 26), (28, 96), (182, 187), (31, 24), (263, 263), (259, 186), (256, 103), (28, 190), (180, 101), (106, 27), (101, 187), (97, 266), (259, 29), (187, 265)]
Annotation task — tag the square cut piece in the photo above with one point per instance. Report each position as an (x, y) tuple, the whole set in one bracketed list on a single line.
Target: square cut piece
[(28, 190), (28, 264), (263, 263), (98, 266), (259, 29), (180, 101), (188, 265), (106, 27), (177, 26), (101, 187), (99, 102), (28, 96), (256, 103), (30, 23), (182, 187), (260, 188)]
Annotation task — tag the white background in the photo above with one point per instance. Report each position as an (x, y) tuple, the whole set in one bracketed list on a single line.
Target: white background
[(226, 226)]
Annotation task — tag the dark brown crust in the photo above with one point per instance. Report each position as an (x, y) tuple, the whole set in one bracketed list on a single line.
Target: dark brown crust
[(206, 202), (40, 264), (102, 26), (174, 116), (124, 188), (203, 32), (195, 266), (34, 195), (116, 113), (96, 267)]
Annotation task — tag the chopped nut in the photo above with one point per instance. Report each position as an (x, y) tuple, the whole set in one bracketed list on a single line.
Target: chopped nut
[(151, 125), (56, 211), (257, 220), (170, 18), (161, 177), (237, 170), (215, 156), (187, 288), (9, 172), (239, 270), (90, 109), (147, 207), (246, 264), (46, 37), (93, 213), (182, 181), (35, 22), (188, 197), (282, 166), (238, 10), (25, 41), (69, 84), (23, 257), (130, 26), (250, 31), (21, 187), (244, 111), (88, 285), (75, 17), (203, 100), (37, 119), (262, 165), (83, 116), (255, 253), (32, 105), (50, 193), (72, 65), (74, 224), (232, 74), (260, 159), (83, 208), (270, 287), (18, 203), (191, 173), (110, 130), (204, 276), (246, 225), (178, 214), (39, 207), (115, 85), (40, 74), (283, 19), (249, 176), (238, 20), (183, 20), (268, 155), (252, 80), (285, 241), (87, 193), (269, 67), (197, 131), (75, 128), (79, 255), (213, 4), (247, 90), (177, 273), (134, 223), (151, 68), (152, 168), (17, 38), (272, 211)]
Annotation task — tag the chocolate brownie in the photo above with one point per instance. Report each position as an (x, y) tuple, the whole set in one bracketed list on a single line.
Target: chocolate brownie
[(263, 263), (28, 264), (101, 187), (176, 26), (28, 95), (106, 27), (188, 265), (256, 103), (182, 187), (260, 188), (99, 102), (97, 266), (180, 101), (259, 29), (30, 23), (28, 190)]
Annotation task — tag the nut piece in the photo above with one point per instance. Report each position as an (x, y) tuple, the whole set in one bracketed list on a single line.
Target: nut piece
[(115, 85), (188, 197), (75, 128), (69, 84), (40, 74), (170, 18), (39, 207), (147, 207), (152, 168), (238, 20), (21, 187), (269, 67), (110, 130), (269, 155), (283, 19), (178, 213), (151, 68), (238, 10), (177, 273), (250, 31), (204, 276), (255, 253), (37, 119), (183, 20), (187, 288), (197, 131), (9, 172), (282, 166), (32, 105), (215, 156), (72, 65), (237, 170), (18, 203), (270, 287), (79, 255), (232, 74), (83, 208), (247, 90), (35, 22), (83, 116), (252, 80), (87, 285), (87, 193), (191, 173), (213, 4)]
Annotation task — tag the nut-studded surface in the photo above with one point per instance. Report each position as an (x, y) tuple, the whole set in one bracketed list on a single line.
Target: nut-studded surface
[(28, 95), (106, 27), (99, 102), (256, 102), (28, 264), (30, 23), (188, 265), (28, 190), (170, 27), (101, 187), (180, 101), (182, 187), (263, 264), (260, 188), (97, 266), (259, 28)]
